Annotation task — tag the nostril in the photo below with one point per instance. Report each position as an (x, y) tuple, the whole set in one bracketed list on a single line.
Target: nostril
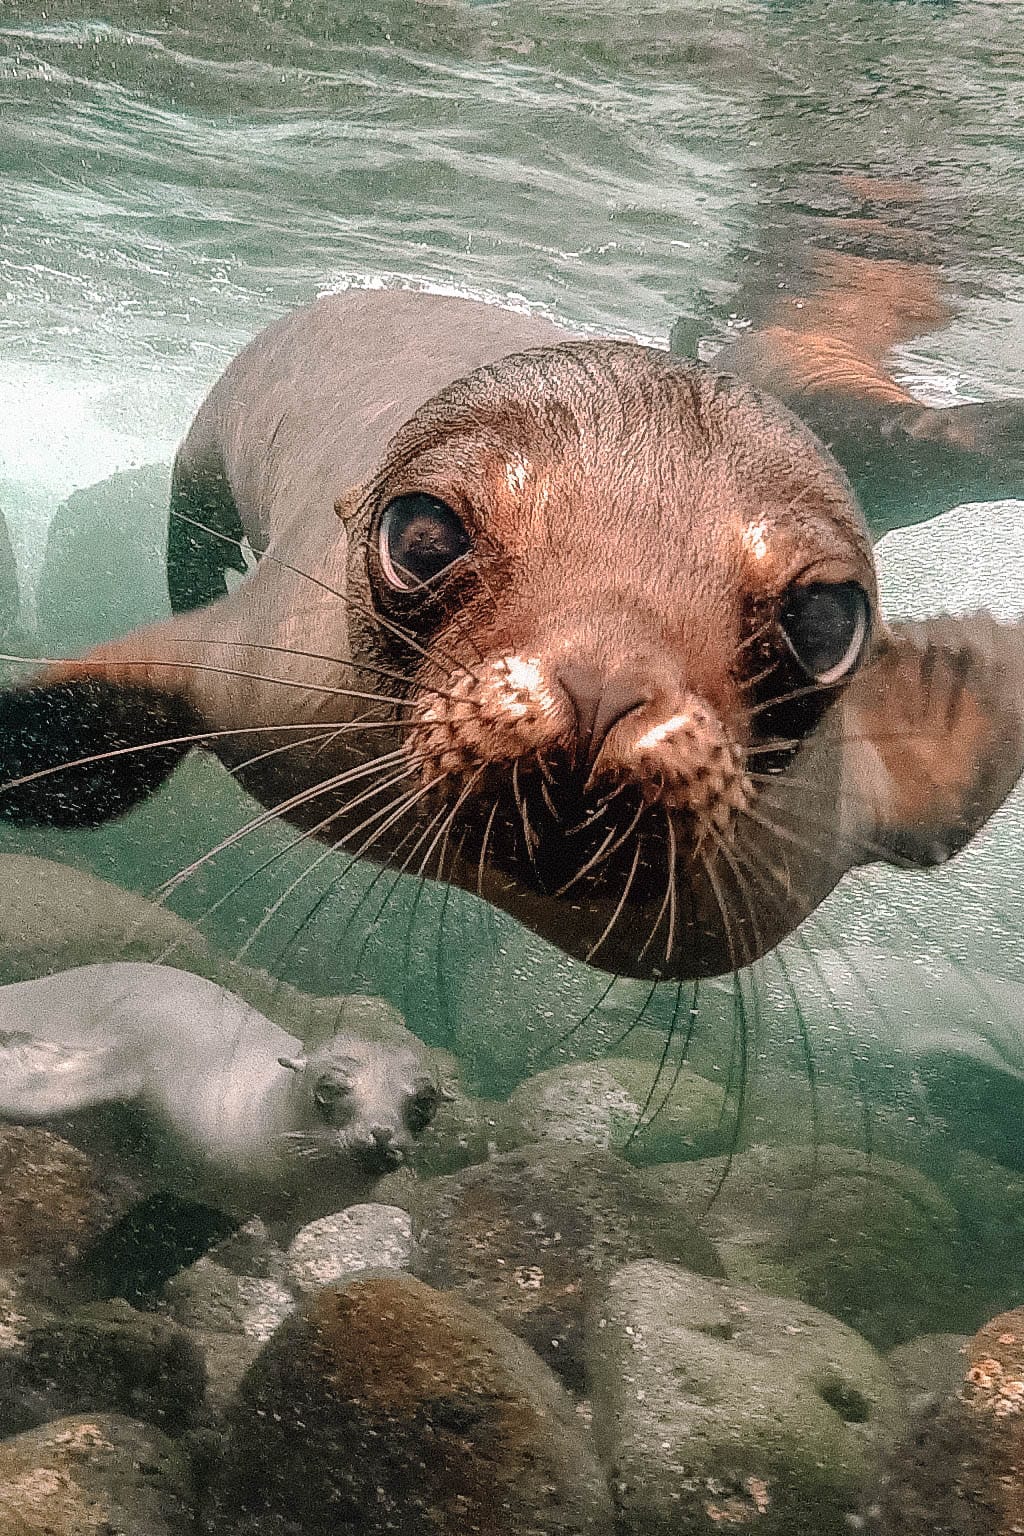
[(600, 700)]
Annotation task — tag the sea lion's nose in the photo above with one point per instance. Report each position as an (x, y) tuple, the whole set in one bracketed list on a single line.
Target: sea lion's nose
[(385, 1146), (600, 699)]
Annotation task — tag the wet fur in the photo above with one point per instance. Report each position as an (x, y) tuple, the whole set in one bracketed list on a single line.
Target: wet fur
[(619, 499)]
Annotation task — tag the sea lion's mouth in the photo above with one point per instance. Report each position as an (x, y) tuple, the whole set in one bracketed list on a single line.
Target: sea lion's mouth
[(548, 825)]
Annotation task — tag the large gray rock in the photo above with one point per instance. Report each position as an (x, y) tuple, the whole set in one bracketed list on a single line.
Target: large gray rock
[(365, 1236), (718, 1407), (388, 1407), (528, 1235), (94, 1476), (618, 1104), (871, 1241)]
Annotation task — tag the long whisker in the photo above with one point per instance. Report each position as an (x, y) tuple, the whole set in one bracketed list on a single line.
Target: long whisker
[(620, 905), (292, 802), (325, 854), (379, 788), (203, 666), (196, 738)]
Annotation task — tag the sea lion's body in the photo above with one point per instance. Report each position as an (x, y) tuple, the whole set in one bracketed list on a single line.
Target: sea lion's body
[(200, 1073), (643, 697)]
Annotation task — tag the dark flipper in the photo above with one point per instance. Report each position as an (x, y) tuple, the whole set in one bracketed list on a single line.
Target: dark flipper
[(204, 536), (81, 730)]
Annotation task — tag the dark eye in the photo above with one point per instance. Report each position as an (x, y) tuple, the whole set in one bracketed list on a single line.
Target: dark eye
[(330, 1093), (825, 625), (422, 1108), (419, 537)]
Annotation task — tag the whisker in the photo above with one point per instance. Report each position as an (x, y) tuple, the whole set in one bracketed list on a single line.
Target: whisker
[(613, 841), (592, 951), (291, 802), (192, 739), (482, 863), (379, 788), (325, 854), (202, 666)]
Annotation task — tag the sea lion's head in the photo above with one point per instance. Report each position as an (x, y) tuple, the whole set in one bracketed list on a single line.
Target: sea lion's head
[(360, 1100), (625, 592)]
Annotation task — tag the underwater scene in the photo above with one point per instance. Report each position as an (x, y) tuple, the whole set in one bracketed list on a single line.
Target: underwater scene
[(511, 720)]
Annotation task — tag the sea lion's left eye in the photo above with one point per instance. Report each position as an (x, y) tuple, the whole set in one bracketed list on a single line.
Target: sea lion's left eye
[(422, 1108), (825, 625), (418, 538)]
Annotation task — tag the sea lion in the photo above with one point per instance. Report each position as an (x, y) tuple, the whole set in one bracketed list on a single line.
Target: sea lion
[(229, 1108), (594, 633)]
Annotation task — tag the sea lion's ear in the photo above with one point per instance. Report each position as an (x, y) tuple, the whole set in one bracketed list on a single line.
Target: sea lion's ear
[(934, 737), (88, 739)]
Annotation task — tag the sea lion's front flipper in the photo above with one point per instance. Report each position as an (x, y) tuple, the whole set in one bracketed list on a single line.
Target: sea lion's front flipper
[(41, 1079), (933, 734), (87, 739)]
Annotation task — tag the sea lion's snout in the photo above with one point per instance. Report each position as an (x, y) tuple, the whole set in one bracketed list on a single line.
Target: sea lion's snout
[(589, 732), (601, 699)]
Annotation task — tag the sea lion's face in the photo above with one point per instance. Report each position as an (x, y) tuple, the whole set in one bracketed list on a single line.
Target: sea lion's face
[(366, 1101), (626, 594)]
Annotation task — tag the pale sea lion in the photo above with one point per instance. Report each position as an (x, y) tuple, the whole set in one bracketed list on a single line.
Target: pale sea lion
[(594, 633), (234, 1111)]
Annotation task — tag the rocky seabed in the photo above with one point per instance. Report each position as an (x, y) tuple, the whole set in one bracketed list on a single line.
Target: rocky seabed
[(551, 1327)]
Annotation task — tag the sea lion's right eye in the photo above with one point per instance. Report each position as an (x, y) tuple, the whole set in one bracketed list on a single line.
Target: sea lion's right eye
[(418, 538), (331, 1091), (826, 625)]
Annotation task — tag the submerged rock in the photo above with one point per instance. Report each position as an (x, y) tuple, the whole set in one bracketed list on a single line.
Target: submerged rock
[(529, 1234), (618, 1104), (930, 1366), (871, 1241), (229, 1318), (53, 1201), (717, 1407), (208, 1296), (961, 1470), (366, 1236), (389, 1407), (101, 1357), (94, 1476)]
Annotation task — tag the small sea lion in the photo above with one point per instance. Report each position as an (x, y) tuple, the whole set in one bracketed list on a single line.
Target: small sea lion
[(581, 627), (227, 1107)]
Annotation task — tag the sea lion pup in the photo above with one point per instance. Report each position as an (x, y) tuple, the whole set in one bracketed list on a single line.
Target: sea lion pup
[(594, 633), (221, 1105)]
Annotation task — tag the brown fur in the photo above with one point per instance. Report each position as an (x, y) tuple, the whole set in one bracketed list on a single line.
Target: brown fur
[(634, 521)]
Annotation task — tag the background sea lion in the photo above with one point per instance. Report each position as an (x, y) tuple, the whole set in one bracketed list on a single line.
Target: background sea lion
[(228, 1108), (596, 635)]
